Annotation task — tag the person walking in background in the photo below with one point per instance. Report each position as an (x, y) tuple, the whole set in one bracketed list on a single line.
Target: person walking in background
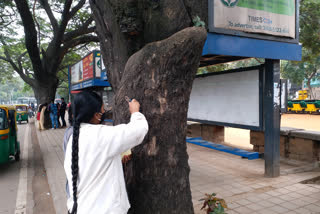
[(53, 110), (58, 117), (42, 110), (63, 108)]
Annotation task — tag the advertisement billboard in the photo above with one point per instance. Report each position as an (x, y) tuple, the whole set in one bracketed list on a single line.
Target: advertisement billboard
[(88, 72), (272, 17), (88, 67), (97, 64), (76, 73)]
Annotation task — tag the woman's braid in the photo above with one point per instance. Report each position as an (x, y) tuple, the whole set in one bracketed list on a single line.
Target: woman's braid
[(74, 164)]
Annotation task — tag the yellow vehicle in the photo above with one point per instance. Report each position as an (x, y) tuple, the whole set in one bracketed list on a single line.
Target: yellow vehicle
[(22, 113), (9, 145), (303, 94)]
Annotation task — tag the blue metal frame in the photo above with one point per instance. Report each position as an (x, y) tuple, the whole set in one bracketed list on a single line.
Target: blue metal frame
[(219, 44), (235, 151), (90, 83)]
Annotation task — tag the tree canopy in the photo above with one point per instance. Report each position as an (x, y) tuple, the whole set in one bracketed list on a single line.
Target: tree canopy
[(12, 88), (39, 43), (309, 19)]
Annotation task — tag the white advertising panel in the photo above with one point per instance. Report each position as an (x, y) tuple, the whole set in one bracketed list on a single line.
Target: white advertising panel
[(229, 98), (98, 66), (272, 17), (77, 72)]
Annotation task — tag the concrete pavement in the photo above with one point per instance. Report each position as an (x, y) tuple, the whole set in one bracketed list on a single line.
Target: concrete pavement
[(239, 181)]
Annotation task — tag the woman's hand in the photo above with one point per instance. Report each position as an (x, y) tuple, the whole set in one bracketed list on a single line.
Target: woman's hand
[(134, 106), (126, 158)]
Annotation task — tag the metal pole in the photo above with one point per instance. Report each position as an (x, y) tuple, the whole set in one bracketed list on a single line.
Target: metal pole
[(272, 118)]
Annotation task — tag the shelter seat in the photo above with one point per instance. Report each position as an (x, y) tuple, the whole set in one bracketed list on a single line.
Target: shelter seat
[(235, 151)]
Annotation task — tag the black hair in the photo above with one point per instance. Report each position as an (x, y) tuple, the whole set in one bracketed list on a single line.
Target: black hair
[(84, 106), (70, 115), (62, 98)]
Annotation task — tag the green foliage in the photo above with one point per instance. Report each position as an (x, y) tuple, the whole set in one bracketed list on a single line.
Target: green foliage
[(309, 18), (213, 204), (232, 65), (61, 37), (296, 72), (247, 63), (12, 88), (197, 22), (310, 25), (213, 68)]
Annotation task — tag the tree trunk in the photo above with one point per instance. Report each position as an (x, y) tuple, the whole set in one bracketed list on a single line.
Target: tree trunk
[(160, 77), (310, 89), (45, 90), (310, 77)]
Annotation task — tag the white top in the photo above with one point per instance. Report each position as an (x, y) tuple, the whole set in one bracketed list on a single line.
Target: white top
[(101, 185)]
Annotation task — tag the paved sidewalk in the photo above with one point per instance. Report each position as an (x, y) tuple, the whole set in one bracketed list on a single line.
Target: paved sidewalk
[(239, 181), (51, 147)]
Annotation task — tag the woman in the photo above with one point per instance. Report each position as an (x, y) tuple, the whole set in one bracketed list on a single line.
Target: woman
[(93, 156), (42, 115)]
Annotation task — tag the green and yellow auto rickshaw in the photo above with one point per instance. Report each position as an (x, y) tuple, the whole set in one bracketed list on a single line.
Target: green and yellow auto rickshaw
[(22, 113), (9, 145)]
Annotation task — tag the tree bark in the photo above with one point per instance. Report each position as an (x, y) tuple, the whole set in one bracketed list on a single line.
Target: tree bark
[(160, 77), (45, 91)]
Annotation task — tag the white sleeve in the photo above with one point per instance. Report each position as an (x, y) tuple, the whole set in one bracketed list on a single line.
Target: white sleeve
[(125, 136)]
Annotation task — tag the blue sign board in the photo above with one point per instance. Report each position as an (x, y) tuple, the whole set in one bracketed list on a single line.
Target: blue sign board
[(227, 45), (90, 83), (99, 79)]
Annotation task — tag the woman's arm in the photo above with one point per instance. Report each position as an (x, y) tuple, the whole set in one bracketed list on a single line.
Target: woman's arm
[(123, 137)]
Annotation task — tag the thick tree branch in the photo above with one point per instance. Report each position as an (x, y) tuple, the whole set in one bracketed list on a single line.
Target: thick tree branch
[(84, 29), (78, 41), (37, 23), (67, 14), (20, 58), (77, 7), (30, 34), (4, 58), (53, 20), (17, 69), (78, 48), (112, 39)]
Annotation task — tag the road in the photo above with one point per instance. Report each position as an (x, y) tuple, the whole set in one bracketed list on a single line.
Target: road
[(24, 184), (9, 179)]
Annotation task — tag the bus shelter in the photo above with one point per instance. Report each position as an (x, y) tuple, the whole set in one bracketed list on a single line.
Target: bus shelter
[(240, 30)]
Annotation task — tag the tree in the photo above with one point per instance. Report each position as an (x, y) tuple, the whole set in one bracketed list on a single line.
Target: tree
[(309, 19), (297, 72), (310, 25), (12, 88), (152, 55), (39, 56)]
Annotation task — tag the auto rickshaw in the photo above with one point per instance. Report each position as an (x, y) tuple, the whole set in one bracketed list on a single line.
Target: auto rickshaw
[(22, 113), (9, 145)]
